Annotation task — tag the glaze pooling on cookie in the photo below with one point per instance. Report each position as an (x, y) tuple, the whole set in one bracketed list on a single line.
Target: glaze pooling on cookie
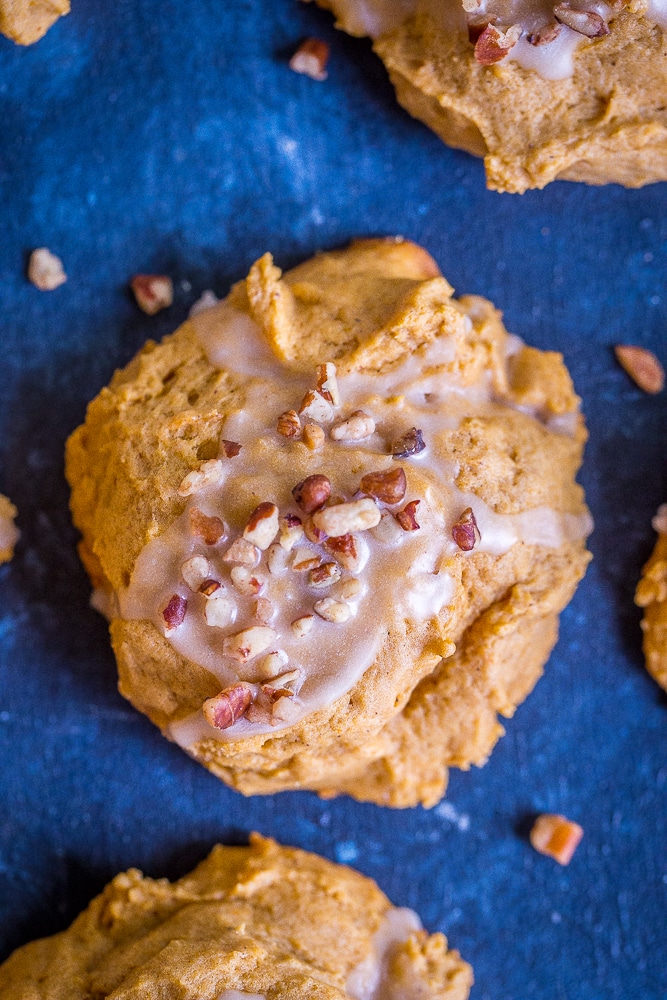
[(400, 574), (372, 978)]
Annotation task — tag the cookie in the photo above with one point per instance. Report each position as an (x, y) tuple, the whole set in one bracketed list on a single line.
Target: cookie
[(573, 91), (263, 922), (652, 597), (333, 521), (9, 533), (25, 21)]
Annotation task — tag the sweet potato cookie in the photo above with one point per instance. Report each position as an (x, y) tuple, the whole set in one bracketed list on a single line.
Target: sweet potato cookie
[(652, 596), (333, 521), (9, 533), (575, 90), (262, 922), (25, 21)]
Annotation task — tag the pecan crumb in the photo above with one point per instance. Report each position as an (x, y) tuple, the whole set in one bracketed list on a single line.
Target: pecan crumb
[(45, 270), (230, 449), (289, 425), (327, 383), (210, 529), (313, 436), (642, 366), (174, 613), (357, 426), (263, 525), (410, 443), (208, 474), (388, 486), (229, 706), (312, 493), (494, 43), (311, 58), (545, 34), (465, 531), (153, 292), (407, 518), (557, 836), (585, 22)]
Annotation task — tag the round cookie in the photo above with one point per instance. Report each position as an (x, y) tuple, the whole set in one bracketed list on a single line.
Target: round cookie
[(262, 922), (541, 90), (342, 598), (652, 597), (9, 533), (25, 21)]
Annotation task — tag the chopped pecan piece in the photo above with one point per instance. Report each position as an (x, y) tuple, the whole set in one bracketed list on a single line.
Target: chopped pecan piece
[(208, 474), (586, 22), (313, 436), (289, 425), (388, 530), (323, 576), (263, 525), (45, 270), (153, 292), (302, 626), (545, 34), (642, 366), (311, 59), (388, 486), (357, 426), (230, 449), (209, 587), (174, 613), (465, 531), (407, 518), (333, 611), (195, 570), (264, 610), (220, 611), (272, 664), (291, 531), (494, 44), (242, 551), (312, 493), (305, 559), (327, 383), (246, 582), (284, 685), (249, 643), (315, 407), (229, 706), (345, 549), (346, 518), (211, 530), (556, 836), (409, 444)]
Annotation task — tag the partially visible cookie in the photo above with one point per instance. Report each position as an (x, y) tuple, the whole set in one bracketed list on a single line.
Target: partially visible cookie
[(262, 922), (543, 91), (652, 596), (9, 533), (25, 21)]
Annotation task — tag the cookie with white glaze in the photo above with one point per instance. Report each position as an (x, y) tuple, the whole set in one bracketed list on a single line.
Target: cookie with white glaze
[(333, 521), (262, 922), (652, 597), (26, 21), (9, 533), (572, 91)]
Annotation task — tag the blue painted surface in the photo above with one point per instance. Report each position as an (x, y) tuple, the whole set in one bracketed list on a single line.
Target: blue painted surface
[(145, 135)]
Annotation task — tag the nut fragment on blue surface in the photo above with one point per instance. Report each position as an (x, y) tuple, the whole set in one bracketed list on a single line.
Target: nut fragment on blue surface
[(45, 270)]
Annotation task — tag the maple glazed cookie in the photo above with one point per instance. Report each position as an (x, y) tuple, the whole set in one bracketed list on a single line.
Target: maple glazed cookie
[(652, 596), (25, 21), (262, 922), (543, 90), (333, 521)]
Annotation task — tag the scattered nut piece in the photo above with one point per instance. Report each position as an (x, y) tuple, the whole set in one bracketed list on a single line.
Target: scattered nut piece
[(315, 407), (220, 611), (357, 426), (229, 706), (291, 531), (302, 626), (323, 576), (263, 525), (209, 587), (45, 270), (246, 582), (153, 292), (195, 570), (313, 533), (387, 531), (289, 425), (242, 551), (586, 22), (465, 531), (276, 559), (311, 59), (327, 383), (312, 493), (209, 473), (284, 685), (313, 436), (333, 611), (230, 449), (246, 645), (545, 34), (494, 43), (557, 836), (409, 444), (264, 610), (174, 613), (387, 487), (346, 518), (347, 550), (273, 664), (348, 590), (211, 530), (642, 366), (305, 559), (407, 518)]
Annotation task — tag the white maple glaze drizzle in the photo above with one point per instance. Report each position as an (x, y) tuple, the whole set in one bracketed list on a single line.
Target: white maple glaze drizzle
[(657, 12), (370, 980), (404, 580)]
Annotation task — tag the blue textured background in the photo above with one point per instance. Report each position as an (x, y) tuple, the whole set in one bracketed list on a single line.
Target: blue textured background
[(156, 135)]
